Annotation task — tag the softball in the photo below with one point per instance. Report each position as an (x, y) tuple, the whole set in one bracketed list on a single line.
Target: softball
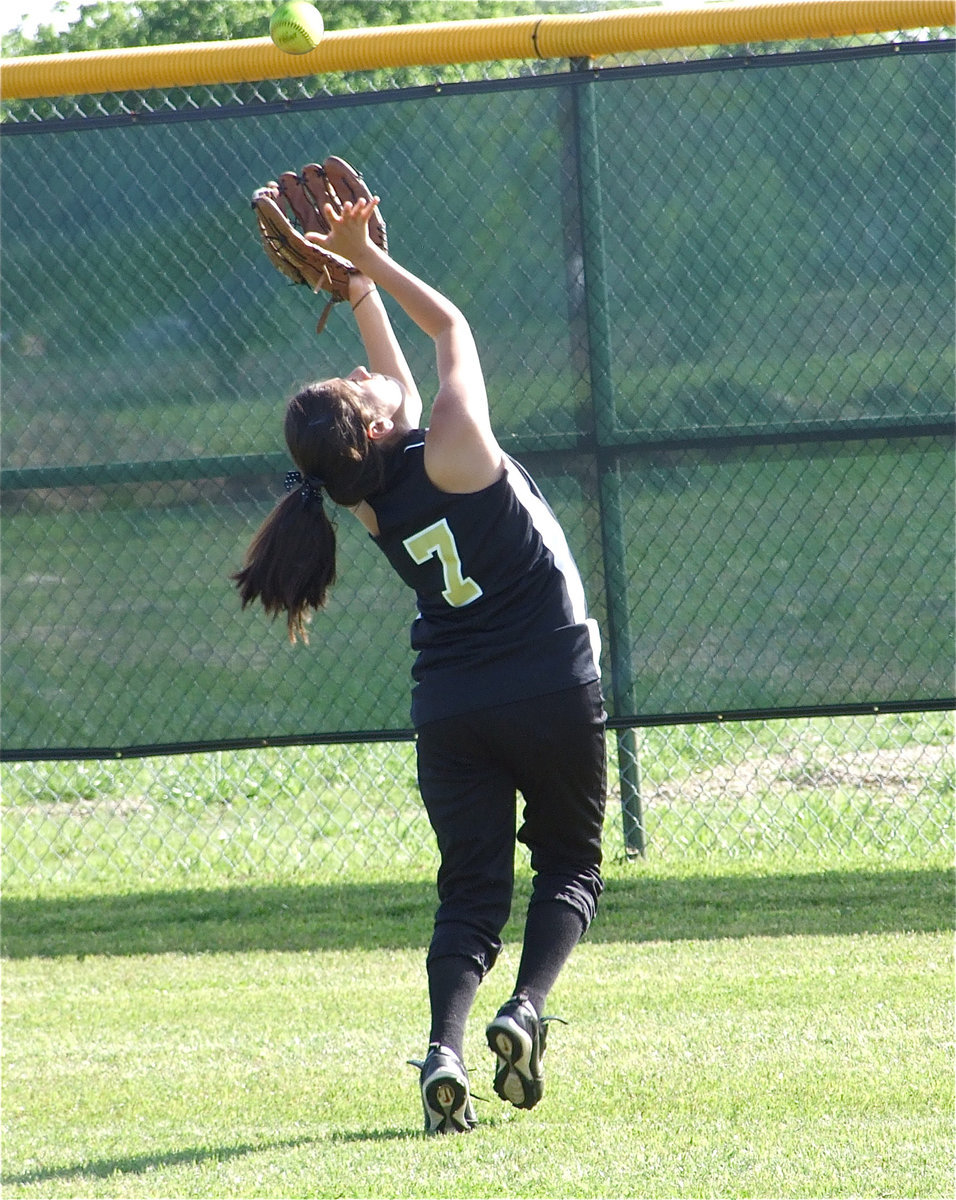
[(296, 27)]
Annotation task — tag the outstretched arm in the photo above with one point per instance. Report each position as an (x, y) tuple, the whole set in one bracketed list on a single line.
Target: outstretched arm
[(461, 453), (382, 348)]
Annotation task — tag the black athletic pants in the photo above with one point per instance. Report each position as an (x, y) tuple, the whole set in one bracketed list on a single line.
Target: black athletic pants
[(551, 749)]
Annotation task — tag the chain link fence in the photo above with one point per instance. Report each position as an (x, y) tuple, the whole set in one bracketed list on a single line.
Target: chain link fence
[(809, 790), (723, 347)]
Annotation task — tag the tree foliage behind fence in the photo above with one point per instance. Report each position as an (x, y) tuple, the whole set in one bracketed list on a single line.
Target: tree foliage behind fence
[(714, 303)]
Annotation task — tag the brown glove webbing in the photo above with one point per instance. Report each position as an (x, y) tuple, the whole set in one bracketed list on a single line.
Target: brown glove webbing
[(293, 206)]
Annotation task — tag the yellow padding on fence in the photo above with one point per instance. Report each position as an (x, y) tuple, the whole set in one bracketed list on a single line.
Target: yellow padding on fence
[(563, 36)]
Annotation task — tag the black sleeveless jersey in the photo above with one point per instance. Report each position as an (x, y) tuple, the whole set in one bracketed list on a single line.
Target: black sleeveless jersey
[(501, 608)]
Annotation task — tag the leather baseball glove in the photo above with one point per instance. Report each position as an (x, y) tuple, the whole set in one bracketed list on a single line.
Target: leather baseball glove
[(293, 206)]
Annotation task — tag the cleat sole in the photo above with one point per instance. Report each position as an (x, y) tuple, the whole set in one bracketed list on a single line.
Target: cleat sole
[(514, 1080)]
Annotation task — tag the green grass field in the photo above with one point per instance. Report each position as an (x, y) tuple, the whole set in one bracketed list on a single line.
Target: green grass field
[(733, 1032), (214, 975)]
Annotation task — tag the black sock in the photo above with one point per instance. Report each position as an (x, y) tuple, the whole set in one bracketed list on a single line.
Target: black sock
[(551, 932), (452, 986)]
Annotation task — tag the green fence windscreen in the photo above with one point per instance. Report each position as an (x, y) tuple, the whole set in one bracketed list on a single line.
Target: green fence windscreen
[(715, 310)]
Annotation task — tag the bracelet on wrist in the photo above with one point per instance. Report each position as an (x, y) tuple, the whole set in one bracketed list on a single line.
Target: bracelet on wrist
[(364, 296)]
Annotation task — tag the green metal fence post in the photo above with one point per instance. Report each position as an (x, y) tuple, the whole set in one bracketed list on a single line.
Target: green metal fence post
[(586, 159)]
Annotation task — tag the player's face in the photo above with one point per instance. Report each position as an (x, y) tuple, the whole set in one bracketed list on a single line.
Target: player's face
[(384, 395)]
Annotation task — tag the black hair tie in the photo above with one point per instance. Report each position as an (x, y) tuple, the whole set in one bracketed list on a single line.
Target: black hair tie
[(310, 485)]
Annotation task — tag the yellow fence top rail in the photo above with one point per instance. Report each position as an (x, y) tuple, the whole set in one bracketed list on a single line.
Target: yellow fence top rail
[(553, 37)]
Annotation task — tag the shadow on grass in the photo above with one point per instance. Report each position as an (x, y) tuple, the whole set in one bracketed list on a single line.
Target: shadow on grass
[(138, 1164), (399, 915)]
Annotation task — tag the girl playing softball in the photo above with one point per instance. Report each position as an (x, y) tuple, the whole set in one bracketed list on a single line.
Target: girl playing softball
[(506, 695)]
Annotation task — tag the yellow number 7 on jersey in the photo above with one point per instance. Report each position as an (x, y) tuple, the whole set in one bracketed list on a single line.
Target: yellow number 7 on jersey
[(439, 539)]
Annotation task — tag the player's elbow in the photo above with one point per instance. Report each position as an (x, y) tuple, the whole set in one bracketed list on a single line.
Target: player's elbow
[(450, 323)]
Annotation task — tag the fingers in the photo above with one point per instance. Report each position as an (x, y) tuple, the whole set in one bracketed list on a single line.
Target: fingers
[(315, 199), (348, 228), (348, 183), (352, 210), (336, 218), (353, 215)]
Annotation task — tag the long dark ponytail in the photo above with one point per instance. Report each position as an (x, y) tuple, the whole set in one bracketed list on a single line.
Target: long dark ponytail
[(290, 563)]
